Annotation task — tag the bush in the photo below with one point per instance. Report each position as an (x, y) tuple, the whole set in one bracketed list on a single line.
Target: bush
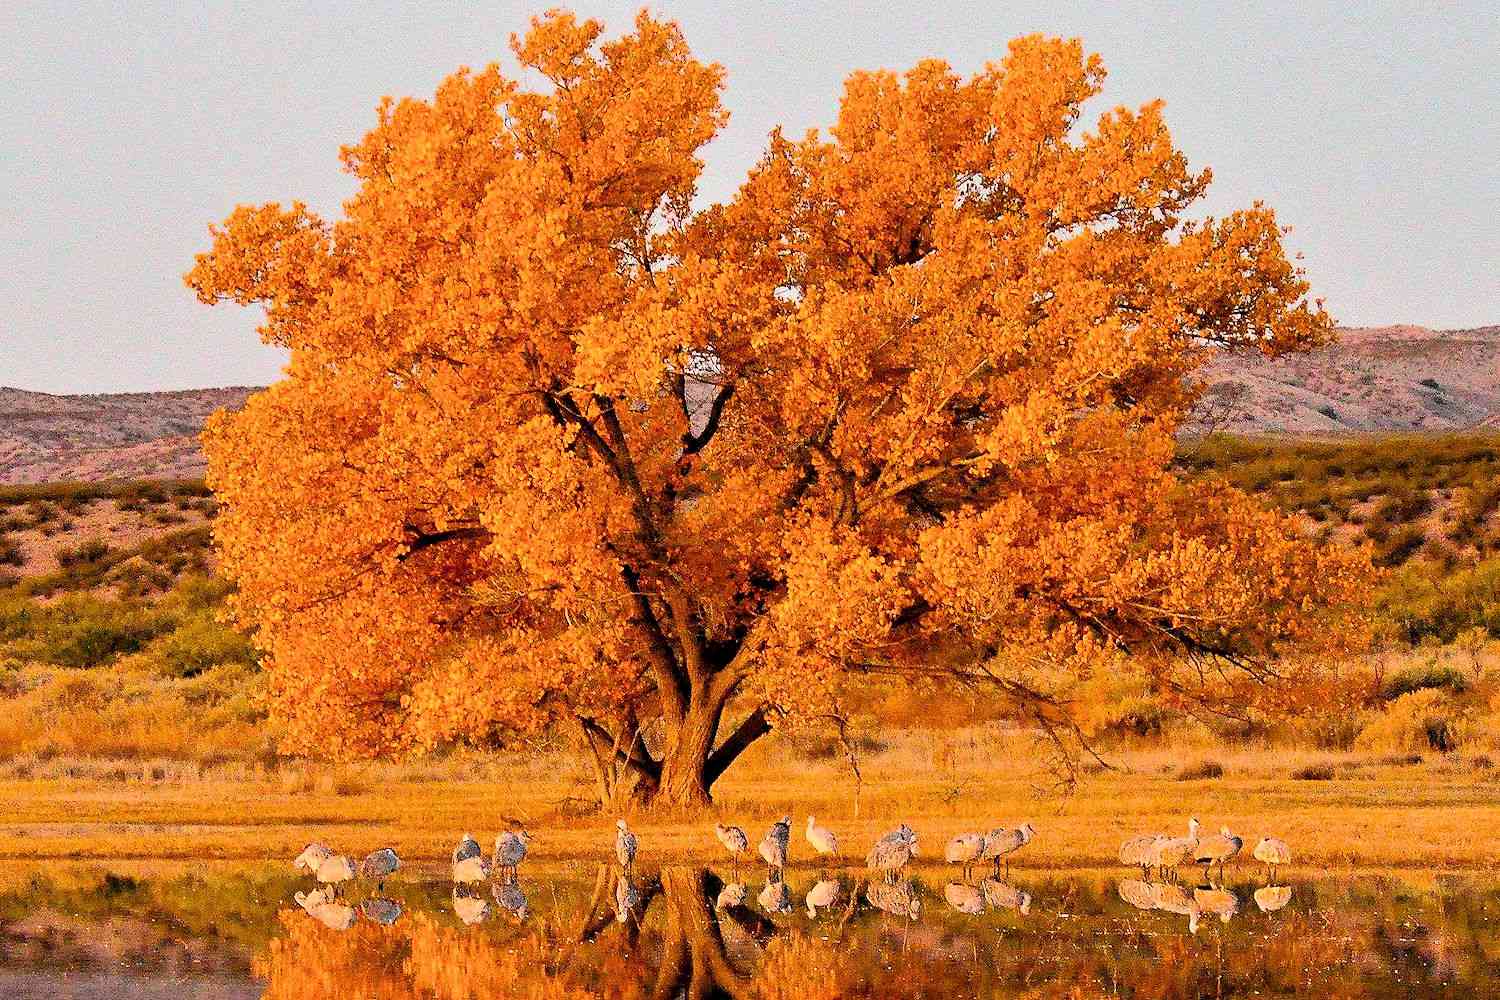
[(1134, 717), (1430, 675), (11, 553), (201, 643), (1314, 772), (1426, 719), (1202, 771), (1422, 602), (83, 631), (89, 552), (1396, 548)]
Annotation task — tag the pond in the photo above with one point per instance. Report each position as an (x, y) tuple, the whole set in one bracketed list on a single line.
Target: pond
[(580, 931)]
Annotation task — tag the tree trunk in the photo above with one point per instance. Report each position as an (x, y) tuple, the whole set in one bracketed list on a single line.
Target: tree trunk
[(684, 772), (628, 777)]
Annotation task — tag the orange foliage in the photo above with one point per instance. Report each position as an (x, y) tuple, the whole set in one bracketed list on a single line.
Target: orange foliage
[(552, 446)]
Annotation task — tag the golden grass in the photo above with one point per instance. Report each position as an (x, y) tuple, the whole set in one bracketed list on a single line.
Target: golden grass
[(1378, 811)]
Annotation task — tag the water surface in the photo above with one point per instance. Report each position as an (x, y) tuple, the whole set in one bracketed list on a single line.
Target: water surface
[(586, 931)]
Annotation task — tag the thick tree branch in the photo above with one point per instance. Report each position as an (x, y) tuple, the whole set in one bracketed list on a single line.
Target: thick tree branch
[(670, 681), (689, 636), (755, 725), (694, 443), (633, 756), (424, 540)]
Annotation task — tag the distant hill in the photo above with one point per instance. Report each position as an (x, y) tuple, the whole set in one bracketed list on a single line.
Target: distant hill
[(1390, 378), (144, 435)]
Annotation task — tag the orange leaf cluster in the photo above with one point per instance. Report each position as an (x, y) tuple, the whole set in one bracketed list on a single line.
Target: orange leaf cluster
[(552, 445)]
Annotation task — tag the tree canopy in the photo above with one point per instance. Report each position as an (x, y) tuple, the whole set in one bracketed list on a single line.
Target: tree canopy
[(554, 446)]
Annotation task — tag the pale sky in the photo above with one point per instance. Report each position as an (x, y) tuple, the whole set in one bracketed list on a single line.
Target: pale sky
[(125, 128)]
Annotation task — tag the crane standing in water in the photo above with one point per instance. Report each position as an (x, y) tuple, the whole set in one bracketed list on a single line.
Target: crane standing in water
[(734, 841), (965, 849), (1273, 853), (469, 863), (510, 851), (822, 839), (625, 845), (1174, 852), (335, 871), (893, 852), (1002, 843), (773, 846), (1143, 852), (1222, 848)]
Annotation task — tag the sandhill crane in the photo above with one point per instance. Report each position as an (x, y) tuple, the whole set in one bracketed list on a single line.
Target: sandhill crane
[(627, 897), (1176, 851), (964, 898), (335, 871), (1143, 852), (1219, 902), (900, 898), (734, 841), (1000, 895), (471, 907), (471, 870), (467, 848), (1270, 898), (893, 852), (773, 846), (380, 910), (510, 898), (1000, 844), (1138, 894), (1273, 853), (1221, 847), (775, 897), (510, 851), (311, 857), (379, 866), (625, 845), (822, 895), (965, 849), (822, 839), (733, 894)]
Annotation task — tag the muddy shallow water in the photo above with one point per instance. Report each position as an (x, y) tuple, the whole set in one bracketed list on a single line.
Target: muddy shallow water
[(580, 931)]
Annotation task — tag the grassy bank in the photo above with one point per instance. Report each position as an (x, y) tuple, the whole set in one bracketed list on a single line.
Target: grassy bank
[(1336, 809)]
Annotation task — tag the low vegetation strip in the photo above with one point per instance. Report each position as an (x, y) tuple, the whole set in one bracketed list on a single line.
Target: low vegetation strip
[(1409, 496)]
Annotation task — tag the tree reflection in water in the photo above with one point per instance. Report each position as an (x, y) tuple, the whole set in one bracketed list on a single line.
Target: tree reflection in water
[(687, 933)]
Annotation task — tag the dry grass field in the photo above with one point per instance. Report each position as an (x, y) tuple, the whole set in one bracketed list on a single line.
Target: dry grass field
[(1355, 811)]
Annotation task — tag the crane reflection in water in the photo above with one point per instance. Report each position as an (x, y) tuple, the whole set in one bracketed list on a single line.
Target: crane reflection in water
[(689, 931)]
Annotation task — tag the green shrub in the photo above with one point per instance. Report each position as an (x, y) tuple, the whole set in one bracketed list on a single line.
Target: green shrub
[(201, 643), (1423, 602), (1397, 548), (1420, 678), (94, 550), (82, 631)]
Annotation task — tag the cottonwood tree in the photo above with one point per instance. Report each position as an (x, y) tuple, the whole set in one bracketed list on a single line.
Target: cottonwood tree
[(554, 448)]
